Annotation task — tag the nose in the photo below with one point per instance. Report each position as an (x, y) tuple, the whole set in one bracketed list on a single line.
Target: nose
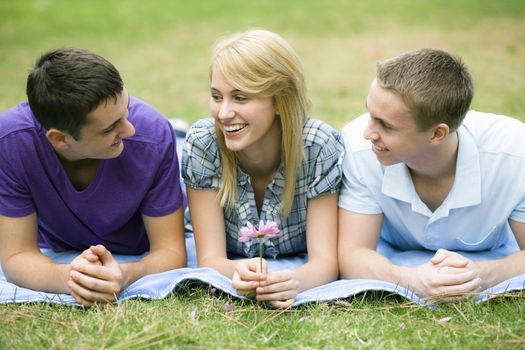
[(225, 110), (370, 133), (128, 130)]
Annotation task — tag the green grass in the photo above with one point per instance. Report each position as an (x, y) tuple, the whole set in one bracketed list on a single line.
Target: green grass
[(162, 50), (195, 319)]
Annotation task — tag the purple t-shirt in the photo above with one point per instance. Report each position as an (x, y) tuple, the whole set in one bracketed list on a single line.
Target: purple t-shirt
[(144, 179)]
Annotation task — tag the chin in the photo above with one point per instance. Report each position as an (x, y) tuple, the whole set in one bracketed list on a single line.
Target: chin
[(115, 151), (233, 146), (387, 162)]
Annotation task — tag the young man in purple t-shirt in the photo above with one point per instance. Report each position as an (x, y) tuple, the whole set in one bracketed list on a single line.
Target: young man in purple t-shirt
[(84, 166)]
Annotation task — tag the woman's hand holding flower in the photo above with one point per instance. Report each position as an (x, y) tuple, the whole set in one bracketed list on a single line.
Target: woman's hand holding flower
[(248, 275), (251, 277), (279, 288)]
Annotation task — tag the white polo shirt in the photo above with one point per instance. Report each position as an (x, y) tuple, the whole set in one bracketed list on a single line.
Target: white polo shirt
[(489, 188)]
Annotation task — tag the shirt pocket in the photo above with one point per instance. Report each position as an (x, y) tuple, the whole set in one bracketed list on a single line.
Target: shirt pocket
[(487, 241)]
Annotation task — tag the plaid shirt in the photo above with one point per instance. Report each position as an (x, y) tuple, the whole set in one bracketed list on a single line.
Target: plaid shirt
[(319, 174)]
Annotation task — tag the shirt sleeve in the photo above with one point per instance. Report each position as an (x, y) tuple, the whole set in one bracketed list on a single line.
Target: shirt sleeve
[(355, 196), (201, 158), (15, 198), (165, 195), (324, 155), (518, 214)]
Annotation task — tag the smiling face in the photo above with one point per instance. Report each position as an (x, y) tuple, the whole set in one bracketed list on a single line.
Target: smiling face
[(247, 122), (392, 130), (101, 137)]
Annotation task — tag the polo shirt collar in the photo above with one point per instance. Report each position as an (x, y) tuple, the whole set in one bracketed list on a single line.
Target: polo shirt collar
[(397, 183), (466, 191), (467, 185)]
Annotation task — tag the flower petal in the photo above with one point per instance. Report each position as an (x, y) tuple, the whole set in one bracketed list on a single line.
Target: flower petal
[(268, 229), (247, 232)]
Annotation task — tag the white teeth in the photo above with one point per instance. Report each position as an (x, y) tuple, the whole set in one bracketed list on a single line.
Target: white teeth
[(379, 148), (234, 127)]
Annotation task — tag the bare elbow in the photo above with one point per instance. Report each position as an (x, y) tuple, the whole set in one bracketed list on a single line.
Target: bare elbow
[(347, 262), (8, 269), (180, 259), (8, 277), (329, 267), (171, 258), (333, 269)]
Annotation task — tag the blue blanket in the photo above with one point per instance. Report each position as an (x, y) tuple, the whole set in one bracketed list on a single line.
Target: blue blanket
[(161, 285)]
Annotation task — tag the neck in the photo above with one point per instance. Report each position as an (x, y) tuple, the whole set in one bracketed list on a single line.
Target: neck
[(67, 157), (264, 159), (77, 164), (80, 172), (440, 162), (260, 164)]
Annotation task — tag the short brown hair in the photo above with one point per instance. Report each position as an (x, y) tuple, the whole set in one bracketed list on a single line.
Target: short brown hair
[(66, 84), (434, 85)]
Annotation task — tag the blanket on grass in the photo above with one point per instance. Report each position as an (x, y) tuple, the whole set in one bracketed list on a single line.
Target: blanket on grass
[(161, 285)]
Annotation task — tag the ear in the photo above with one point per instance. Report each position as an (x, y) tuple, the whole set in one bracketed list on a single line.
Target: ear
[(441, 131), (58, 139)]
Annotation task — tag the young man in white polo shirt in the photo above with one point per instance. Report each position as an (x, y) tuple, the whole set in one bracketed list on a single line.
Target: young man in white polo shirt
[(420, 173)]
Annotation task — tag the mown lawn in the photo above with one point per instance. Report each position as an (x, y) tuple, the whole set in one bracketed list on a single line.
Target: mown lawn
[(194, 318)]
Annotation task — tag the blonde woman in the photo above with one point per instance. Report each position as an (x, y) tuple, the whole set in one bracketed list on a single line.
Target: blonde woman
[(262, 158)]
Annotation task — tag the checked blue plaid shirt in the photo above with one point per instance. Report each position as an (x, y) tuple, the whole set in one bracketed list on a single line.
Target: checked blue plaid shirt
[(320, 174)]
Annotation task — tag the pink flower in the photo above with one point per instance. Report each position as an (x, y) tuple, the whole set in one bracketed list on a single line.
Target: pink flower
[(268, 229), (265, 231), (247, 232)]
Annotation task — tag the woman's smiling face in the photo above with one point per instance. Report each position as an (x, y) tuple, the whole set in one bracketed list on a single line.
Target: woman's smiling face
[(246, 121)]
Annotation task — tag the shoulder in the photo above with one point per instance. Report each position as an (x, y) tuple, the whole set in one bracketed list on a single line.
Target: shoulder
[(323, 154), (17, 118), (316, 132), (201, 158), (202, 134), (353, 135), (151, 126), (496, 133)]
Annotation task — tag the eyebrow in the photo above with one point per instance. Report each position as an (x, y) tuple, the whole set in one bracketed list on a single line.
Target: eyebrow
[(109, 128), (385, 123), (234, 91)]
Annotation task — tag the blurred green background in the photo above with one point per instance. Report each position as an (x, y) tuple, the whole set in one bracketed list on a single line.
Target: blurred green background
[(162, 47)]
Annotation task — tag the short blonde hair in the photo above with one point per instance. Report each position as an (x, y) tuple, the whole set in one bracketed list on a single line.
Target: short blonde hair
[(260, 62), (435, 86)]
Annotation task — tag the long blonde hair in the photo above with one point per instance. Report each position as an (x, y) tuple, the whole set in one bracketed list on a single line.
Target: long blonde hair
[(262, 63)]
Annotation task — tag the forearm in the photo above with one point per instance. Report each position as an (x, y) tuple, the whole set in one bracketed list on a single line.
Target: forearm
[(496, 271), (368, 264), (157, 261), (222, 265), (316, 272), (36, 271)]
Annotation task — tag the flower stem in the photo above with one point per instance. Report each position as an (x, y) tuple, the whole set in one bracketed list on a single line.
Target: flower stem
[(260, 251)]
